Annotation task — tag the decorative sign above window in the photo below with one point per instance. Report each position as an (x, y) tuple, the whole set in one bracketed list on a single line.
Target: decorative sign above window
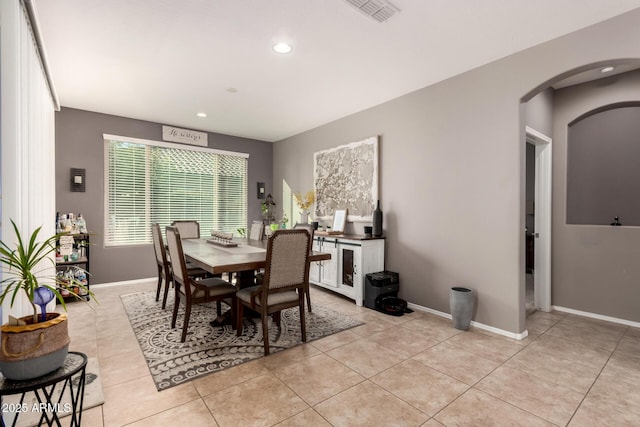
[(185, 136)]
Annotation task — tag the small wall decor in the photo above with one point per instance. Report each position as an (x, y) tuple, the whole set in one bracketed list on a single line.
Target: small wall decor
[(346, 177), (186, 136), (78, 180)]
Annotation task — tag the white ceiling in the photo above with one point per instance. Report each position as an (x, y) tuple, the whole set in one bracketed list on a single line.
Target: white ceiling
[(166, 60)]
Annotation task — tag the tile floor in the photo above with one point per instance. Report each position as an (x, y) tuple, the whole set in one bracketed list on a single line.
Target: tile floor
[(414, 370)]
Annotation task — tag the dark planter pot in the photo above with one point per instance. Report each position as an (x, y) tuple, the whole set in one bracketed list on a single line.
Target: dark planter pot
[(461, 302)]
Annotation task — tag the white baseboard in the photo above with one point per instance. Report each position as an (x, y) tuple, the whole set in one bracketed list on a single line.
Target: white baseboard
[(597, 316), (125, 282), (478, 325)]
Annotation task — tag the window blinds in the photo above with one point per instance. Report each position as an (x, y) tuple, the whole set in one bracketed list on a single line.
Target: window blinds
[(161, 183)]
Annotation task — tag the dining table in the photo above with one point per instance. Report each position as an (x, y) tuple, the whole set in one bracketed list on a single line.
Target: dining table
[(238, 255)]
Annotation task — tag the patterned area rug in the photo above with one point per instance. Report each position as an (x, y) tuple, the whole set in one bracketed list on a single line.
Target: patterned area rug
[(210, 349)]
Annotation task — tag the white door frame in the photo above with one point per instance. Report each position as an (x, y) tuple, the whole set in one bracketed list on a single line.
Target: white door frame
[(542, 242)]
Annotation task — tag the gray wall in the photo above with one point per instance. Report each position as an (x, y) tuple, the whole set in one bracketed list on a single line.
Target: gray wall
[(603, 174), (452, 171), (539, 117), (539, 110), (79, 144), (595, 268)]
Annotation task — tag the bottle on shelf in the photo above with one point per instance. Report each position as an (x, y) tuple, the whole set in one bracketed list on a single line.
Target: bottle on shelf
[(82, 278), (81, 224)]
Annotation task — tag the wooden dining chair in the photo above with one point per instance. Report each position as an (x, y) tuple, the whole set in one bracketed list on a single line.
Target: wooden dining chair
[(189, 229), (310, 230), (164, 269), (286, 272), (190, 291), (299, 226), (164, 265)]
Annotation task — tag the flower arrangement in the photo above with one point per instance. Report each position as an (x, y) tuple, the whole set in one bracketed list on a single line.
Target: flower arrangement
[(305, 202)]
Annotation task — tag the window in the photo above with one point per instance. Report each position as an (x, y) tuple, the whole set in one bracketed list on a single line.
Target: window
[(149, 182)]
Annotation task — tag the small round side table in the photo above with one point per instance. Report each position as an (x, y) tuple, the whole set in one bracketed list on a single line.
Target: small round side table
[(49, 402)]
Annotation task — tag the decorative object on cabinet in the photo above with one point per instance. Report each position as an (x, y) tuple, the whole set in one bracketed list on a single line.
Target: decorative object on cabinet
[(32, 345), (347, 177), (461, 305), (304, 203), (352, 257), (339, 221), (377, 221)]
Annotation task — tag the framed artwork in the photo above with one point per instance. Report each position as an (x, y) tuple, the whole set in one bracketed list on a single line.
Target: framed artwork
[(346, 178)]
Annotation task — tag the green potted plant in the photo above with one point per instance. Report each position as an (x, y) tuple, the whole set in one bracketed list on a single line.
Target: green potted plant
[(268, 208), (33, 345)]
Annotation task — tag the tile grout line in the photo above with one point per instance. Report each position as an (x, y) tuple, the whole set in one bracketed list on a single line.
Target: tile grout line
[(598, 376)]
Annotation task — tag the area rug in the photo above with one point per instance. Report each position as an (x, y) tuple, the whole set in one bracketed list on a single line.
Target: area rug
[(209, 349), (30, 411)]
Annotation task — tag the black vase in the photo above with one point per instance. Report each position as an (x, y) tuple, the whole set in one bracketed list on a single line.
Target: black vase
[(377, 221)]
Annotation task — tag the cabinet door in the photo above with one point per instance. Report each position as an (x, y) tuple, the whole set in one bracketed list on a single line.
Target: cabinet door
[(350, 273), (329, 274)]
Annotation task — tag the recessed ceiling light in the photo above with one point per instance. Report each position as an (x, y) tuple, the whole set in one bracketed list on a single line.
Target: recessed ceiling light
[(203, 115), (607, 69), (282, 47)]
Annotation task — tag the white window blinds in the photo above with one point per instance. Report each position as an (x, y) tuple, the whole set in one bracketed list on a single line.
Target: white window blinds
[(157, 182)]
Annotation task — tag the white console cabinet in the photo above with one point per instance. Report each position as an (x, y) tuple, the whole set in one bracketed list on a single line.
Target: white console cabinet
[(352, 257)]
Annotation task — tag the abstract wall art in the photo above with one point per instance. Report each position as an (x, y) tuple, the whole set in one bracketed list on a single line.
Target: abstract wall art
[(346, 177)]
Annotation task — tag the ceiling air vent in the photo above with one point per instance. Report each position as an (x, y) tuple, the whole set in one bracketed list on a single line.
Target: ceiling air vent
[(380, 10)]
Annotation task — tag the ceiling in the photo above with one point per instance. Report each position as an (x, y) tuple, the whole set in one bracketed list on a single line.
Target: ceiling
[(166, 60)]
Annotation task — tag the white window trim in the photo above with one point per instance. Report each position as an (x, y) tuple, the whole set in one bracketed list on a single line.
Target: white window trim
[(109, 137), (142, 141)]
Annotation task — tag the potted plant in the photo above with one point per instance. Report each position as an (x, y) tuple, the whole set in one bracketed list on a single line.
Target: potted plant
[(268, 209), (33, 345)]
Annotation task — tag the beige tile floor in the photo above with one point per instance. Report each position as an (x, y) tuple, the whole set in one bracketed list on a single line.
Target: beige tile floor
[(414, 370)]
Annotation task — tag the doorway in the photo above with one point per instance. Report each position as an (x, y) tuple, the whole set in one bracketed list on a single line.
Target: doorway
[(538, 222)]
